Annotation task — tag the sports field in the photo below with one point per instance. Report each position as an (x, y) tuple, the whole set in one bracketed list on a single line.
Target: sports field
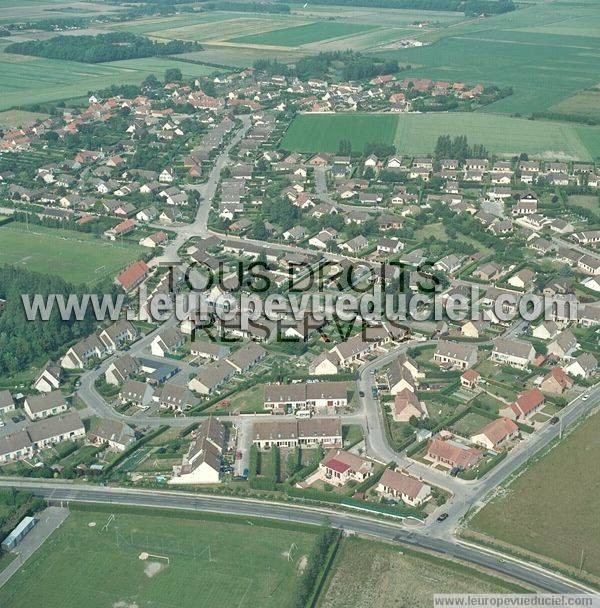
[(549, 509), (77, 257), (374, 575), (414, 134), (304, 34), (192, 563)]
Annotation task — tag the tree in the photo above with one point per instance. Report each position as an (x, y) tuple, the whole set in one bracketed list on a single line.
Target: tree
[(150, 82), (173, 75)]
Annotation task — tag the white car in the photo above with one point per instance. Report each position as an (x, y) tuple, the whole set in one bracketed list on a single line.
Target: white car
[(585, 397)]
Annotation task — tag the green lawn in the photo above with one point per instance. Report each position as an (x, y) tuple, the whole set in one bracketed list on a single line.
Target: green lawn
[(470, 424), (83, 566), (304, 34), (415, 134), (75, 256), (549, 510)]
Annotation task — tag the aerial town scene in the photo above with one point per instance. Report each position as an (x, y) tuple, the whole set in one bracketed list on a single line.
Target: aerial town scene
[(299, 303)]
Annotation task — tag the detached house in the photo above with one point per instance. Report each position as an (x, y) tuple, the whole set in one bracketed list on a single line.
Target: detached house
[(526, 405), (493, 435), (399, 485), (339, 467)]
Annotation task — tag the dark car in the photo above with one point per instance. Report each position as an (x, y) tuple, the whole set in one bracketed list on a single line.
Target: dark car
[(16, 419), (443, 517), (361, 393), (554, 420)]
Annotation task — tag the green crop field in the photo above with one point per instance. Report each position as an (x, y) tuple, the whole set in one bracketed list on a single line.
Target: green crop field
[(323, 132), (415, 134), (547, 510), (231, 563), (75, 256), (584, 103), (28, 80), (304, 34), (546, 52), (370, 574)]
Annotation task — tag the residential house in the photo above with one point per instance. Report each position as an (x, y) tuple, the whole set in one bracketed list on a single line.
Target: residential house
[(292, 433), (49, 378), (455, 354), (400, 485), (526, 405), (556, 381), (117, 435), (167, 342), (121, 369), (339, 467), (516, 353), (46, 404), (450, 453), (407, 405), (495, 434), (563, 345), (584, 366), (137, 393)]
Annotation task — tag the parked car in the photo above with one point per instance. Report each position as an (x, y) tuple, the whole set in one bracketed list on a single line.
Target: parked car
[(443, 517)]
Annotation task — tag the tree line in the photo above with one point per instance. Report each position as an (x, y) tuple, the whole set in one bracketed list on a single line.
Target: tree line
[(113, 46), (247, 7), (458, 148), (355, 66)]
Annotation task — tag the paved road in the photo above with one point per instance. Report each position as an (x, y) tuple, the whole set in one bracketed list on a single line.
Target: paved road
[(298, 513)]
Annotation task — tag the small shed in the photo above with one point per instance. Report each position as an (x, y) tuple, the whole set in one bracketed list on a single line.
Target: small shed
[(17, 535)]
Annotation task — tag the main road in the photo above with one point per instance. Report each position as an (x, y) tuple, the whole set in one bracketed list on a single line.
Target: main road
[(61, 492)]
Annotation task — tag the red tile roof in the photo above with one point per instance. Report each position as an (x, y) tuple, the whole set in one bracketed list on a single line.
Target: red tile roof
[(133, 276)]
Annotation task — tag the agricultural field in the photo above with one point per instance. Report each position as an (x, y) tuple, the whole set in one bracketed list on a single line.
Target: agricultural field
[(323, 132), (546, 52), (304, 34), (235, 563), (18, 118), (585, 104), (368, 574), (414, 134), (75, 256), (553, 495), (35, 10)]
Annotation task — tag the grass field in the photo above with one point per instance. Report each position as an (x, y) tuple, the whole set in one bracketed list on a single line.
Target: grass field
[(18, 118), (546, 52), (377, 575), (28, 80), (323, 132), (75, 256), (248, 564), (548, 509), (415, 134), (584, 103), (304, 34)]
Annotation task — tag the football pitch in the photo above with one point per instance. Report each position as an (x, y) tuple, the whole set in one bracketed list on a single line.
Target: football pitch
[(77, 257), (156, 559)]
